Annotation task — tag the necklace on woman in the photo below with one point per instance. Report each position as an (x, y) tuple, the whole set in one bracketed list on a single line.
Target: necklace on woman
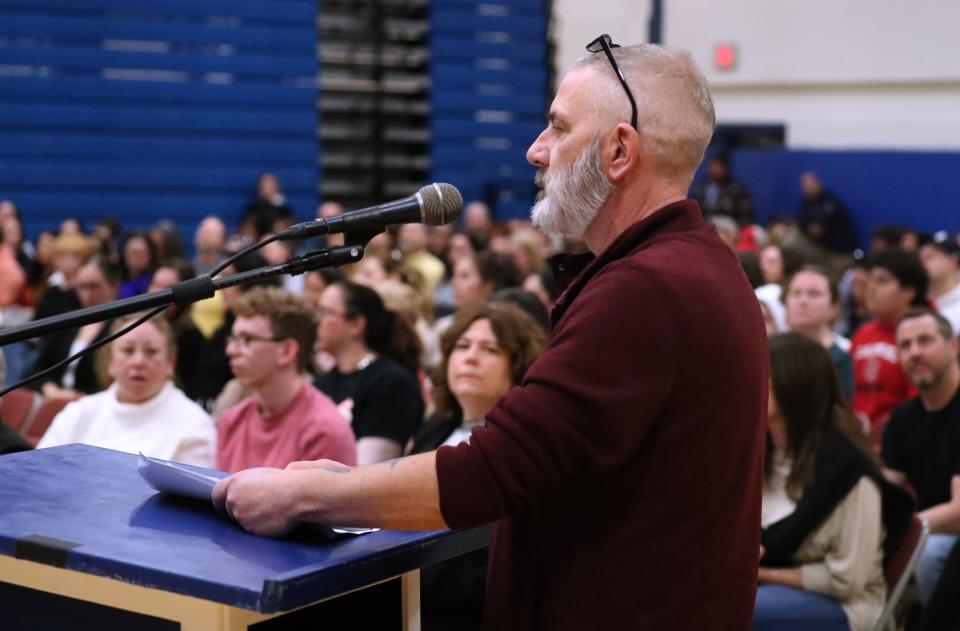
[(366, 360)]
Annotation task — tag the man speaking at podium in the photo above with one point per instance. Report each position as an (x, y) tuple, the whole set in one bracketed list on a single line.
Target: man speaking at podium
[(623, 476)]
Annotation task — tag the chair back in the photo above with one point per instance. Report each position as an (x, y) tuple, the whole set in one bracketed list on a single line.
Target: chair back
[(43, 418), (899, 566), (17, 407)]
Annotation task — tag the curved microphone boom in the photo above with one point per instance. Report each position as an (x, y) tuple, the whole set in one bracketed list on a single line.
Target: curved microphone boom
[(434, 204)]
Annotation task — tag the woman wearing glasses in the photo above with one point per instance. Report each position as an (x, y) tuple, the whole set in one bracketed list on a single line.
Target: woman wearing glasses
[(141, 410), (96, 283), (374, 381)]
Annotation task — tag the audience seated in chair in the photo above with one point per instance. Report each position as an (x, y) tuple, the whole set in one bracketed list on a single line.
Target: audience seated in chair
[(96, 283), (142, 410), (921, 444), (189, 338), (812, 302), (826, 505), (374, 382), (476, 276), (896, 281), (486, 350), (212, 369), (286, 419), (10, 440)]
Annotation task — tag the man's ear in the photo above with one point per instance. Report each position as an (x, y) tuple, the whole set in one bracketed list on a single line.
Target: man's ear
[(624, 151), (290, 350)]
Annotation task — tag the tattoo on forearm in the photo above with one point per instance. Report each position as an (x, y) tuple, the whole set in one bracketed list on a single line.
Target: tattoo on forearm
[(338, 469)]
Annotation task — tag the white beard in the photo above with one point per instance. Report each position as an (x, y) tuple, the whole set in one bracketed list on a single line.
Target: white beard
[(572, 196)]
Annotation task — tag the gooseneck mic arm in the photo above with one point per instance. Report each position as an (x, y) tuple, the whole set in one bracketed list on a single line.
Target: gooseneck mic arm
[(183, 293)]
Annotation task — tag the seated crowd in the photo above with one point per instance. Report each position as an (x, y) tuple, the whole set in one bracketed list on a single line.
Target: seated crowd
[(409, 349)]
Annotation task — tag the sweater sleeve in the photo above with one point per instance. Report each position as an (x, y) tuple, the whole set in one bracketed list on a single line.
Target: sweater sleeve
[(584, 406), (850, 561), (198, 447)]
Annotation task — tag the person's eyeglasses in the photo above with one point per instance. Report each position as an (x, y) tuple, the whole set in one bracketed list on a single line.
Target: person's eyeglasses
[(606, 44), (327, 311), (243, 340)]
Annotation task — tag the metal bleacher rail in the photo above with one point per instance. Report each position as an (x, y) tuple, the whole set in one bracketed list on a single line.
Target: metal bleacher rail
[(374, 111)]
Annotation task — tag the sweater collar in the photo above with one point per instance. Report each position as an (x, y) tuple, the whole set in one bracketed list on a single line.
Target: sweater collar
[(573, 271), (143, 409)]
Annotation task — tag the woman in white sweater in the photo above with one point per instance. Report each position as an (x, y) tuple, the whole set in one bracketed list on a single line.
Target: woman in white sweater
[(142, 410)]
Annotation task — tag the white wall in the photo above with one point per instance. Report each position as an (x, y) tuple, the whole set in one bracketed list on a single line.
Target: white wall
[(578, 22), (838, 73)]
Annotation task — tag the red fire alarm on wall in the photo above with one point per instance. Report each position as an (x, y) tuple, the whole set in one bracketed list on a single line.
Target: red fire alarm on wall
[(725, 56)]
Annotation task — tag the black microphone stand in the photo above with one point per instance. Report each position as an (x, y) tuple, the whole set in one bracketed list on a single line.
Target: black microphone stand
[(184, 293)]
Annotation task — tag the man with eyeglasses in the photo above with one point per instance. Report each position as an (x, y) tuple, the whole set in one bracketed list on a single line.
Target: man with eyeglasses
[(623, 475), (285, 418)]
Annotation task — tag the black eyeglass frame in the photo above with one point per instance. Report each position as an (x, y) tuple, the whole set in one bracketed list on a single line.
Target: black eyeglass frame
[(605, 43)]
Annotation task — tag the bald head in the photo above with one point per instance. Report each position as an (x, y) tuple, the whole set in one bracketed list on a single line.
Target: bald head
[(210, 235), (675, 114)]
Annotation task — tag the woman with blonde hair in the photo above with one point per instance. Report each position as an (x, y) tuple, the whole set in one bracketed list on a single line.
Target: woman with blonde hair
[(141, 410)]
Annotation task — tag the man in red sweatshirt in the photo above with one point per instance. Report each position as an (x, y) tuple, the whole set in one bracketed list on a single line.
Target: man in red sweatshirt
[(896, 281), (623, 475)]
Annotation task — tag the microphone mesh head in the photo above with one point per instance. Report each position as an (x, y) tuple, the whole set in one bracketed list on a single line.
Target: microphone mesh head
[(440, 203)]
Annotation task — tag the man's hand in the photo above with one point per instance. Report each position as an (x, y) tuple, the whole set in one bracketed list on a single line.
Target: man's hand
[(401, 494), (262, 500)]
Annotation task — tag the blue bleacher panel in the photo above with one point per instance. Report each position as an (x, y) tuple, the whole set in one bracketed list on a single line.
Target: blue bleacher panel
[(168, 150), (79, 28), (79, 90), (518, 105), (492, 6), (298, 12), (489, 74), (145, 109)]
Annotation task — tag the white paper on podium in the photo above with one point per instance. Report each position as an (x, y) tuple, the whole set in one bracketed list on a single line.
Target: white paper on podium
[(179, 479), (197, 483)]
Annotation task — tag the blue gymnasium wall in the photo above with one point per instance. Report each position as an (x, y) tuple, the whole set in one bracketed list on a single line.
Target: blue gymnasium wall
[(907, 187), (145, 109), (489, 97)]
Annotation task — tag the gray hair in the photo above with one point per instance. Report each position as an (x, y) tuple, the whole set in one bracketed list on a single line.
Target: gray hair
[(675, 114)]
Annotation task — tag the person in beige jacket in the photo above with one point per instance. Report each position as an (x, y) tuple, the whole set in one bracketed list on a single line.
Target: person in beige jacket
[(828, 515)]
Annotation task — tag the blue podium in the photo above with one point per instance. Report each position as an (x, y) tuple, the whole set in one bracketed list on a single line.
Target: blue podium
[(79, 522)]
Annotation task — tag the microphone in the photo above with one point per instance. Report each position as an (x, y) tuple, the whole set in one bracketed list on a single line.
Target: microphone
[(434, 204)]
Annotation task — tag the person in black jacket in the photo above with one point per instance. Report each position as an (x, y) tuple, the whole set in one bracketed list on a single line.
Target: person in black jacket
[(824, 218), (10, 440), (189, 339), (720, 194), (486, 351), (96, 283)]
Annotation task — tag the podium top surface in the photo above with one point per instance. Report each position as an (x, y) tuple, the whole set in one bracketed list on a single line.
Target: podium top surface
[(87, 509)]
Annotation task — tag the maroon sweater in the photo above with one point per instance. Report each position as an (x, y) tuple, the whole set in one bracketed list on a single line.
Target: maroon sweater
[(625, 472)]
